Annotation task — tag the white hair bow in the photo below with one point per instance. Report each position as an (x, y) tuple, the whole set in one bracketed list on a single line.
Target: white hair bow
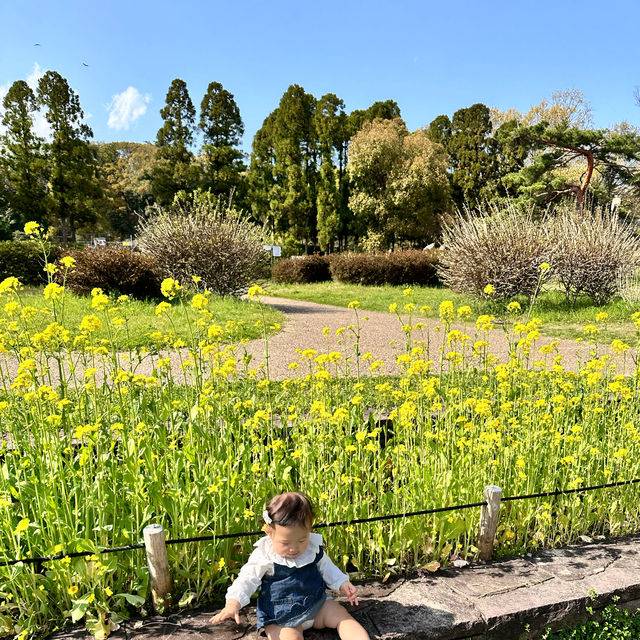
[(265, 517)]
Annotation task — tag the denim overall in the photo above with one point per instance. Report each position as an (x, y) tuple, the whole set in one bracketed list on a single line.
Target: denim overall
[(291, 595)]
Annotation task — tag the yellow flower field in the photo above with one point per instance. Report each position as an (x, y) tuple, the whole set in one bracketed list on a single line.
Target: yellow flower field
[(92, 451)]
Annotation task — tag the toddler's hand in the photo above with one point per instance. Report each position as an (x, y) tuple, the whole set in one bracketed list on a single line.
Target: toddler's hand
[(231, 610), (350, 591)]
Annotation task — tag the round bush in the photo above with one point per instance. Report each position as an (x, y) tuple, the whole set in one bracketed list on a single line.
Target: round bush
[(592, 250), (113, 269), (23, 259), (500, 247), (198, 236)]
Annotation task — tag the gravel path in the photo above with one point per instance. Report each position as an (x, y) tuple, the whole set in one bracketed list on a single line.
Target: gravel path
[(381, 336)]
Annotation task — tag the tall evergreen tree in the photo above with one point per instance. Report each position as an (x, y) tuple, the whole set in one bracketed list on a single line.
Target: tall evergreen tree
[(387, 110), (330, 122), (471, 150), (22, 156), (222, 128), (283, 172), (72, 160), (175, 169)]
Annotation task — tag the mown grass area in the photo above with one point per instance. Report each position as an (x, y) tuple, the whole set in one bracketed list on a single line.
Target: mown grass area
[(239, 317), (559, 319)]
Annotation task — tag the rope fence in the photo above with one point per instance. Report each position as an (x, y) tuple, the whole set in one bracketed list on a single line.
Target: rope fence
[(486, 536)]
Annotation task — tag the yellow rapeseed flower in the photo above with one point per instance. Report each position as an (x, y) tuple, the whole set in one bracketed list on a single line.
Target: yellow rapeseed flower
[(170, 288), (255, 292), (53, 291), (32, 229), (446, 310)]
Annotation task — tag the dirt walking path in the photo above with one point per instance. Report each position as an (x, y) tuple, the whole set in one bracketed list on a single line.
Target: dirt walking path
[(381, 336)]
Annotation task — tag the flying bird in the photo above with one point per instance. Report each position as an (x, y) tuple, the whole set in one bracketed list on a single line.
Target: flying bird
[(37, 44), (85, 64)]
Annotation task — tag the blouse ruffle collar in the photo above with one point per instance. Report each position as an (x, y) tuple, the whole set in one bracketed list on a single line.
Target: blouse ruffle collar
[(306, 557)]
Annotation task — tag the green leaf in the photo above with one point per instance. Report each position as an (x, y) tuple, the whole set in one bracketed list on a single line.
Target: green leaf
[(78, 610), (136, 601)]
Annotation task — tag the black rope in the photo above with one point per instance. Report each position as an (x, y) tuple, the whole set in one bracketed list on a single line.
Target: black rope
[(240, 534), (559, 492)]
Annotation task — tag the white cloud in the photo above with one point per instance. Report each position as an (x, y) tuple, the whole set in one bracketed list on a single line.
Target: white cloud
[(34, 76), (126, 107)]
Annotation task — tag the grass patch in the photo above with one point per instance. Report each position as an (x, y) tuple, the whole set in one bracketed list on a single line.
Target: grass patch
[(239, 316), (560, 320)]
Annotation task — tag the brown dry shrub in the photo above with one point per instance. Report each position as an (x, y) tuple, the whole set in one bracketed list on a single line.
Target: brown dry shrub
[(201, 236), (501, 247), (591, 251), (302, 269), (395, 268), (114, 269)]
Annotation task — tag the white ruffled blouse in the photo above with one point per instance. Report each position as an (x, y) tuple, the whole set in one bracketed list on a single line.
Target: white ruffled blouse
[(263, 558)]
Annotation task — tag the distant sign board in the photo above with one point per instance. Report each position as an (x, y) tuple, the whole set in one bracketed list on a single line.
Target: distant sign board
[(276, 250)]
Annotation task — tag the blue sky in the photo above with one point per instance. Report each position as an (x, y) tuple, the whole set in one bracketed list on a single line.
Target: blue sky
[(431, 57)]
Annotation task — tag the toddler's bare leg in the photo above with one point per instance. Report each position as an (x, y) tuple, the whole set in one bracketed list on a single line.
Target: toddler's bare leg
[(275, 632), (335, 616)]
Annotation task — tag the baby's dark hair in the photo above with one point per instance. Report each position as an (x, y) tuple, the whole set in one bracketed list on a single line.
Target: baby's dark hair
[(291, 509)]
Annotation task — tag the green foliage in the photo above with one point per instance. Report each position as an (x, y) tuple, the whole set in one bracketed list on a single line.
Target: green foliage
[(400, 184), (385, 110), (117, 270), (394, 268), (503, 248), (24, 260), (222, 127), (569, 157), (72, 161), (124, 173), (302, 269), (175, 170), (612, 624), (200, 236), (21, 156), (298, 181)]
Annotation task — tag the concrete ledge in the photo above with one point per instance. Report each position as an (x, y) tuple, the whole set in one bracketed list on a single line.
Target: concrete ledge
[(492, 601)]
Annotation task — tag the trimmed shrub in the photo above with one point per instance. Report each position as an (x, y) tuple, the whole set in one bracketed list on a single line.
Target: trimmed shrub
[(304, 269), (396, 268), (114, 270), (23, 259), (500, 247), (199, 236), (592, 250)]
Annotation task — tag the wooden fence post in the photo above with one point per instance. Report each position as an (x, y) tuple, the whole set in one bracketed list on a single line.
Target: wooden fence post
[(489, 521), (154, 542)]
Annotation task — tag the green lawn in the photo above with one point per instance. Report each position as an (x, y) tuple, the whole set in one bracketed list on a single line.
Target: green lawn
[(142, 319), (560, 320)]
